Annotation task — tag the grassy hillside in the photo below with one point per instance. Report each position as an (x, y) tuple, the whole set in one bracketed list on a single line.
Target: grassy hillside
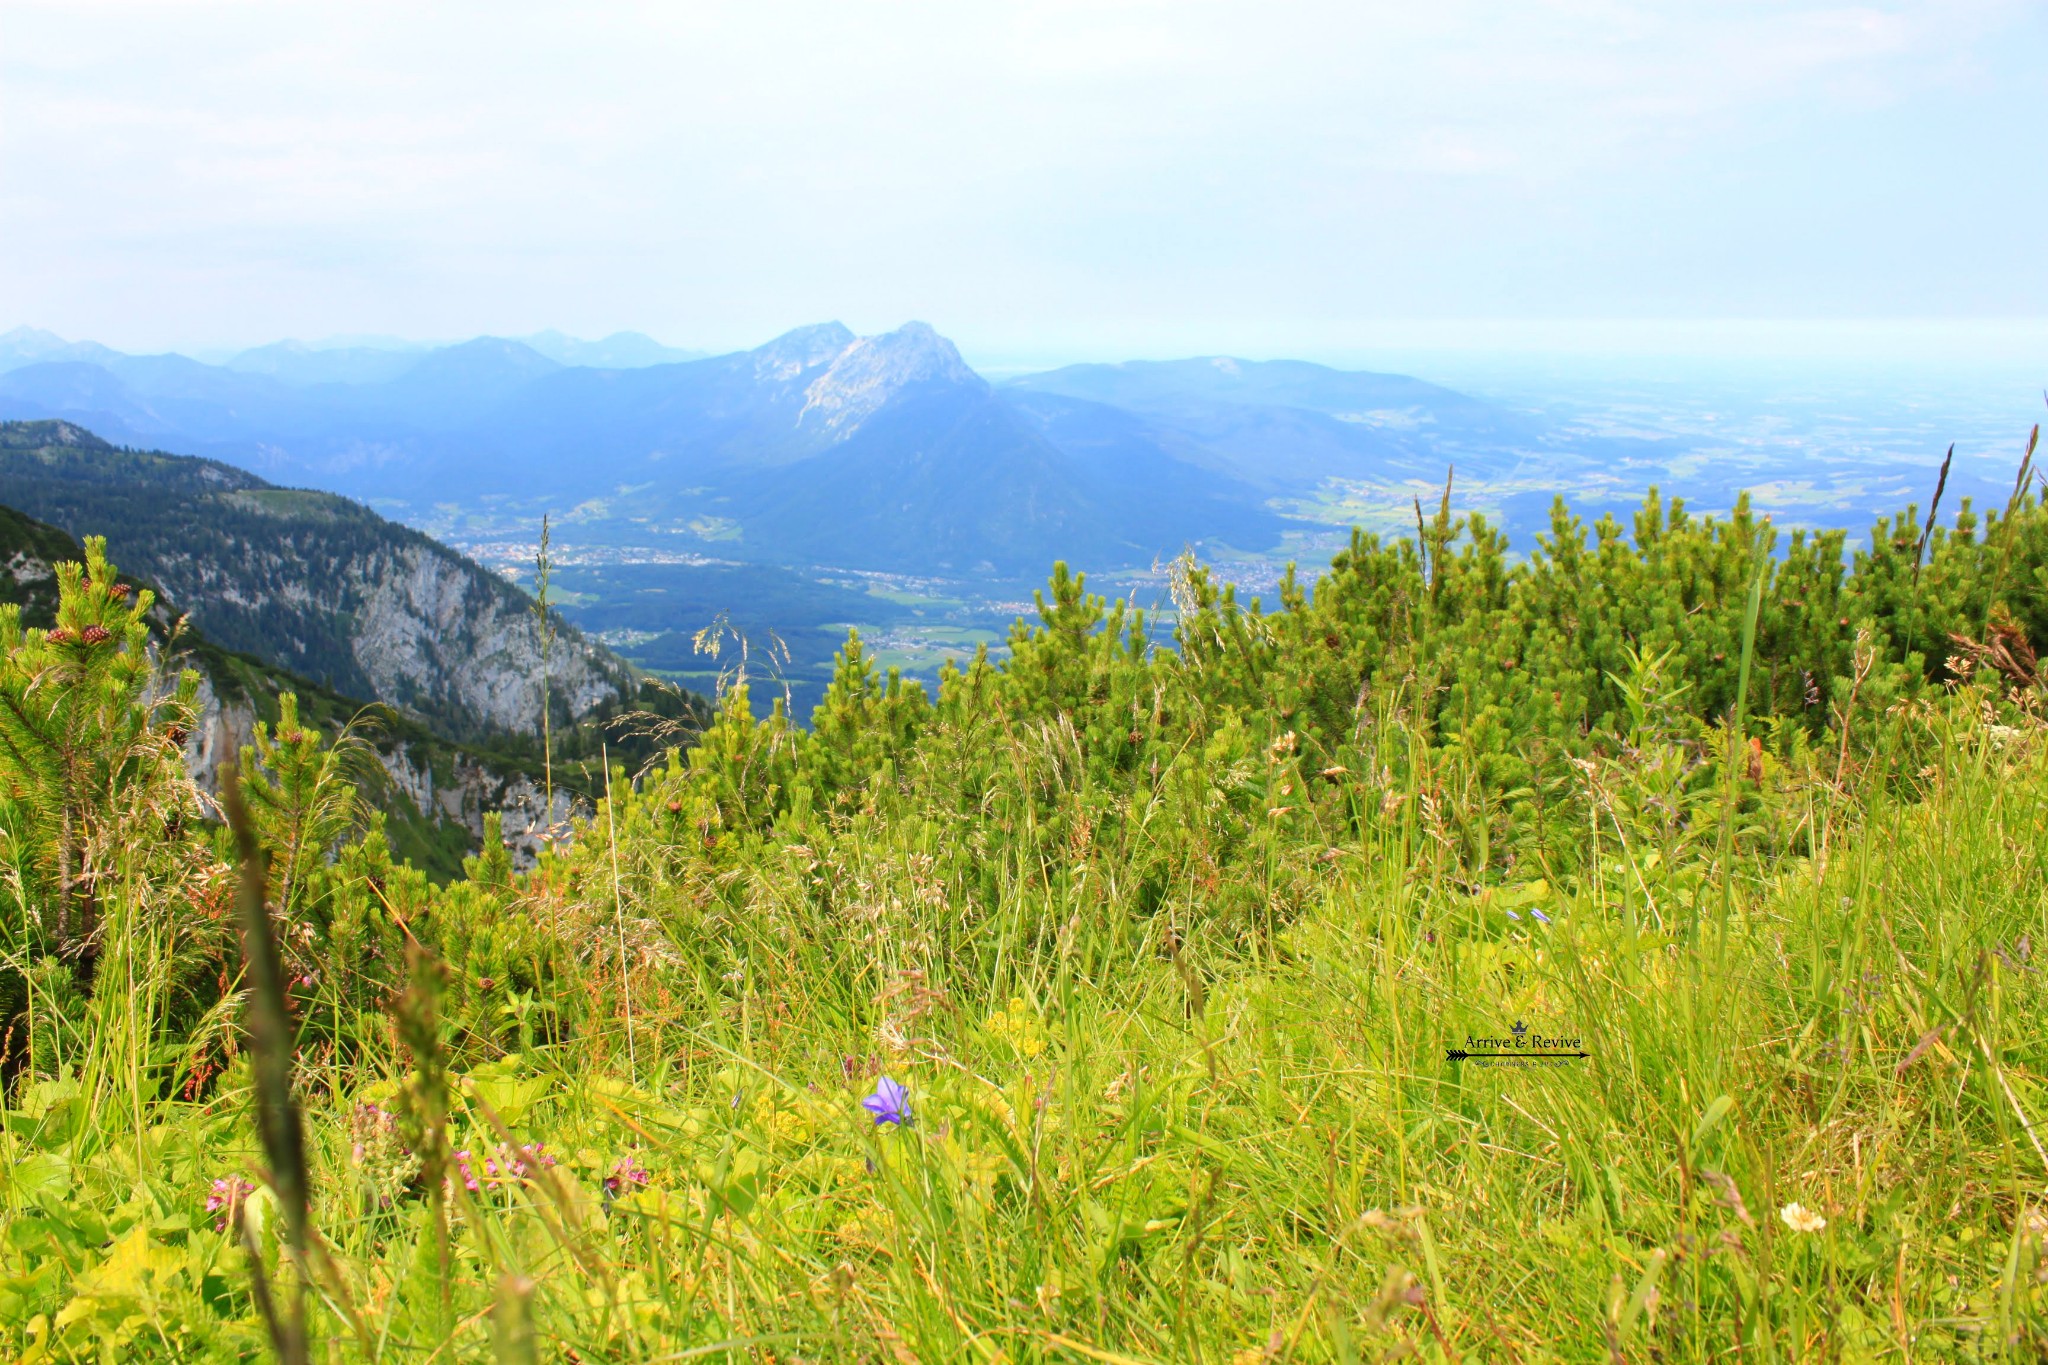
[(1130, 1001)]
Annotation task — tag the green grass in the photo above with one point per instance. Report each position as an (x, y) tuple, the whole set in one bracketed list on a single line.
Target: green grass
[(1219, 1158)]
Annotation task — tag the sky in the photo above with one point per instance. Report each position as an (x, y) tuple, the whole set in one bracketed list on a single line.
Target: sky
[(1040, 181)]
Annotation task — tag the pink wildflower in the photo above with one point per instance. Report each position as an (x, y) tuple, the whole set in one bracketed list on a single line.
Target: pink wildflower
[(226, 1199), (626, 1172), (505, 1163)]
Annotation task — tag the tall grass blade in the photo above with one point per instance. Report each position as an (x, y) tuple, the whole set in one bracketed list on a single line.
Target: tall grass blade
[(1738, 726), (1933, 510), (278, 1122), (512, 1337)]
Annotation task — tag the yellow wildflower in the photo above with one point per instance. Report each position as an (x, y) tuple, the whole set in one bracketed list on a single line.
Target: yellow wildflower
[(1017, 1026)]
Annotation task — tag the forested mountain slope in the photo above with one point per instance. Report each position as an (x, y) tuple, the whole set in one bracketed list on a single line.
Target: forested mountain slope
[(434, 794), (314, 583)]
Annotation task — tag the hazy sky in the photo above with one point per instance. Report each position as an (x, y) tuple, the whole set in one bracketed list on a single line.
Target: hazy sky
[(1098, 177)]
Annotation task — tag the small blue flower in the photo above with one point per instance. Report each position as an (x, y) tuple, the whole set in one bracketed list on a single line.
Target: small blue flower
[(1540, 915), (889, 1104), (1515, 917)]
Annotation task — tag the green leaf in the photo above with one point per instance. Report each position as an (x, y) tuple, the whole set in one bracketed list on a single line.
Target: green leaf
[(1710, 1120), (44, 1174), (509, 1096)]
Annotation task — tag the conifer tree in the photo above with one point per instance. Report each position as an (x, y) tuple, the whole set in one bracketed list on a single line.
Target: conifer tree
[(88, 743), (866, 721), (302, 796)]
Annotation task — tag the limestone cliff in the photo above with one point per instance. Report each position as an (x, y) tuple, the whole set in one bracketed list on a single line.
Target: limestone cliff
[(422, 783), (315, 583), (435, 794)]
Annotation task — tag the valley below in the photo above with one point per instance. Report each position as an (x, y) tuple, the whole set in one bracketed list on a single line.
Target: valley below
[(1803, 459)]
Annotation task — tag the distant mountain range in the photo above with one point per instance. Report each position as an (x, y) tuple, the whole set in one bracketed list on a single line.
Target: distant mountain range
[(883, 453), (353, 360), (1288, 425)]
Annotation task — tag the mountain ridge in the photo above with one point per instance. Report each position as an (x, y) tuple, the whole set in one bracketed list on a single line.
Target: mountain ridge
[(314, 582), (434, 793), (884, 453)]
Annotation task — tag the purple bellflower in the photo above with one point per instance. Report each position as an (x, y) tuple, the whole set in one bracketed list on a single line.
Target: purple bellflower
[(889, 1104)]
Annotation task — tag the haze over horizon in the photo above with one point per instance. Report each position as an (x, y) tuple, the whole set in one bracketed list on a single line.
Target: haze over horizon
[(1044, 182), (1990, 354)]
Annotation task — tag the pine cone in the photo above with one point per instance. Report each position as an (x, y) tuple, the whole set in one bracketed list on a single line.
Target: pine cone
[(59, 636), (118, 592), (95, 635)]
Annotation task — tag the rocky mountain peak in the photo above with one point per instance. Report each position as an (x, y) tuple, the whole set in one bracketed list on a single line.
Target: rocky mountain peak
[(806, 348), (873, 370)]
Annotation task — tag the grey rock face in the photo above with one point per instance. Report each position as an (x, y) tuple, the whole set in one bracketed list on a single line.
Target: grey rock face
[(475, 791), (432, 633), (312, 583), (425, 630), (468, 791), (869, 371)]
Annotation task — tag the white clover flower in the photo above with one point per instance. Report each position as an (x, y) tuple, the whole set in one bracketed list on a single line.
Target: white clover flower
[(1799, 1218)]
